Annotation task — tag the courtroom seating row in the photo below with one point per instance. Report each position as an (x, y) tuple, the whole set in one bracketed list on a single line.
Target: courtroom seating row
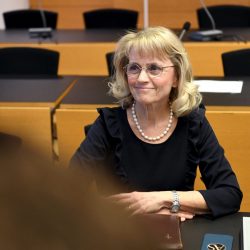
[(209, 17), (40, 62), (101, 18)]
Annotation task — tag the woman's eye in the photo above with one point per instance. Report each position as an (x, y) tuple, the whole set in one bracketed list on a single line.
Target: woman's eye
[(133, 68), (153, 67)]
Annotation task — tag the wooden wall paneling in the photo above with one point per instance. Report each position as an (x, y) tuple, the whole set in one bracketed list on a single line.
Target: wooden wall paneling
[(89, 3), (70, 12), (172, 14), (70, 17), (169, 13)]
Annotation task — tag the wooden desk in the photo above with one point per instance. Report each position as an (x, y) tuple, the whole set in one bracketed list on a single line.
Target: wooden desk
[(82, 52), (229, 115), (26, 106)]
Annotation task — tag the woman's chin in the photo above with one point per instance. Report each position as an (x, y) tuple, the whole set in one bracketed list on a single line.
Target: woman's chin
[(142, 98)]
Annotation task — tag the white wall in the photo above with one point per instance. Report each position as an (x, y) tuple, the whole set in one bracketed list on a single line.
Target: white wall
[(6, 5)]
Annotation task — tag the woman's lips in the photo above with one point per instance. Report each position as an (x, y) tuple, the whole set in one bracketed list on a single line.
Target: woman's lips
[(143, 87)]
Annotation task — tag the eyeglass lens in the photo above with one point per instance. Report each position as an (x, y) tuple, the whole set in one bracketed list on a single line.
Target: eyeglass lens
[(151, 69)]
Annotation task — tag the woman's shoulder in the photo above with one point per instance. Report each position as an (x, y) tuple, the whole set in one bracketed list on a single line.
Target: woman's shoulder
[(197, 115), (196, 121), (112, 118), (110, 113)]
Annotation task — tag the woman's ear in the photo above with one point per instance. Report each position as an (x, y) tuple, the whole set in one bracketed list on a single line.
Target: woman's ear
[(175, 79), (175, 83)]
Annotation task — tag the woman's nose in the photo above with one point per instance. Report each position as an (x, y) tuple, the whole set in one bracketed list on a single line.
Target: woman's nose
[(143, 75)]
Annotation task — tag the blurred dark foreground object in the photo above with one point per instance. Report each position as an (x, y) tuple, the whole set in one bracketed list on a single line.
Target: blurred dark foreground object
[(9, 144), (45, 206), (163, 230)]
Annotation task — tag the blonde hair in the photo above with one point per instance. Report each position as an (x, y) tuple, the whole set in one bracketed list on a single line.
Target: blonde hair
[(161, 43)]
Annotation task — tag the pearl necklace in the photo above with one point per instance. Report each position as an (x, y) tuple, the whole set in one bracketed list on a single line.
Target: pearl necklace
[(149, 138)]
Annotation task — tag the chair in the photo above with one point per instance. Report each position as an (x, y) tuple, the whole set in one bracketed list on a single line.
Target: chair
[(110, 19), (30, 18), (225, 16), (109, 60), (26, 61), (236, 63), (87, 128)]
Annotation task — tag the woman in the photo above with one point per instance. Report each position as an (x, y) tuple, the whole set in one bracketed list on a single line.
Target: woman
[(154, 142)]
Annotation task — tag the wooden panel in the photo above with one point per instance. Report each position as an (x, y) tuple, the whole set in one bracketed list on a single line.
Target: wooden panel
[(70, 17), (232, 131), (84, 59), (70, 12), (95, 3), (33, 125), (206, 57), (70, 130), (173, 14), (169, 13)]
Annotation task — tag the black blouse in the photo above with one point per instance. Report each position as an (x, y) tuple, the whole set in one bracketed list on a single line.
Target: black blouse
[(111, 146)]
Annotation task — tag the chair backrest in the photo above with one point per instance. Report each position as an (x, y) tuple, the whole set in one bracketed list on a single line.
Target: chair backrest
[(87, 128), (25, 61), (225, 16), (236, 63), (110, 64), (30, 18), (110, 19)]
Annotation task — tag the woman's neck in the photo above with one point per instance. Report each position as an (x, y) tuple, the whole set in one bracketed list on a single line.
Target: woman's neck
[(153, 124), (152, 113)]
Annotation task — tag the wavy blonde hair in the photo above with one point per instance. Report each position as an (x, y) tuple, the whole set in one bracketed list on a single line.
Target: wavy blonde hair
[(161, 43)]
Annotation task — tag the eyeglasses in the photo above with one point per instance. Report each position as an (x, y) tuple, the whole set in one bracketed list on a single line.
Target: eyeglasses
[(152, 69)]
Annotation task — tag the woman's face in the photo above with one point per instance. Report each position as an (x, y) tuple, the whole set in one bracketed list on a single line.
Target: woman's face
[(153, 83)]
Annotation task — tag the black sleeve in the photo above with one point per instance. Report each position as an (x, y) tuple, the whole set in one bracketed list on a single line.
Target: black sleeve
[(223, 194)]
